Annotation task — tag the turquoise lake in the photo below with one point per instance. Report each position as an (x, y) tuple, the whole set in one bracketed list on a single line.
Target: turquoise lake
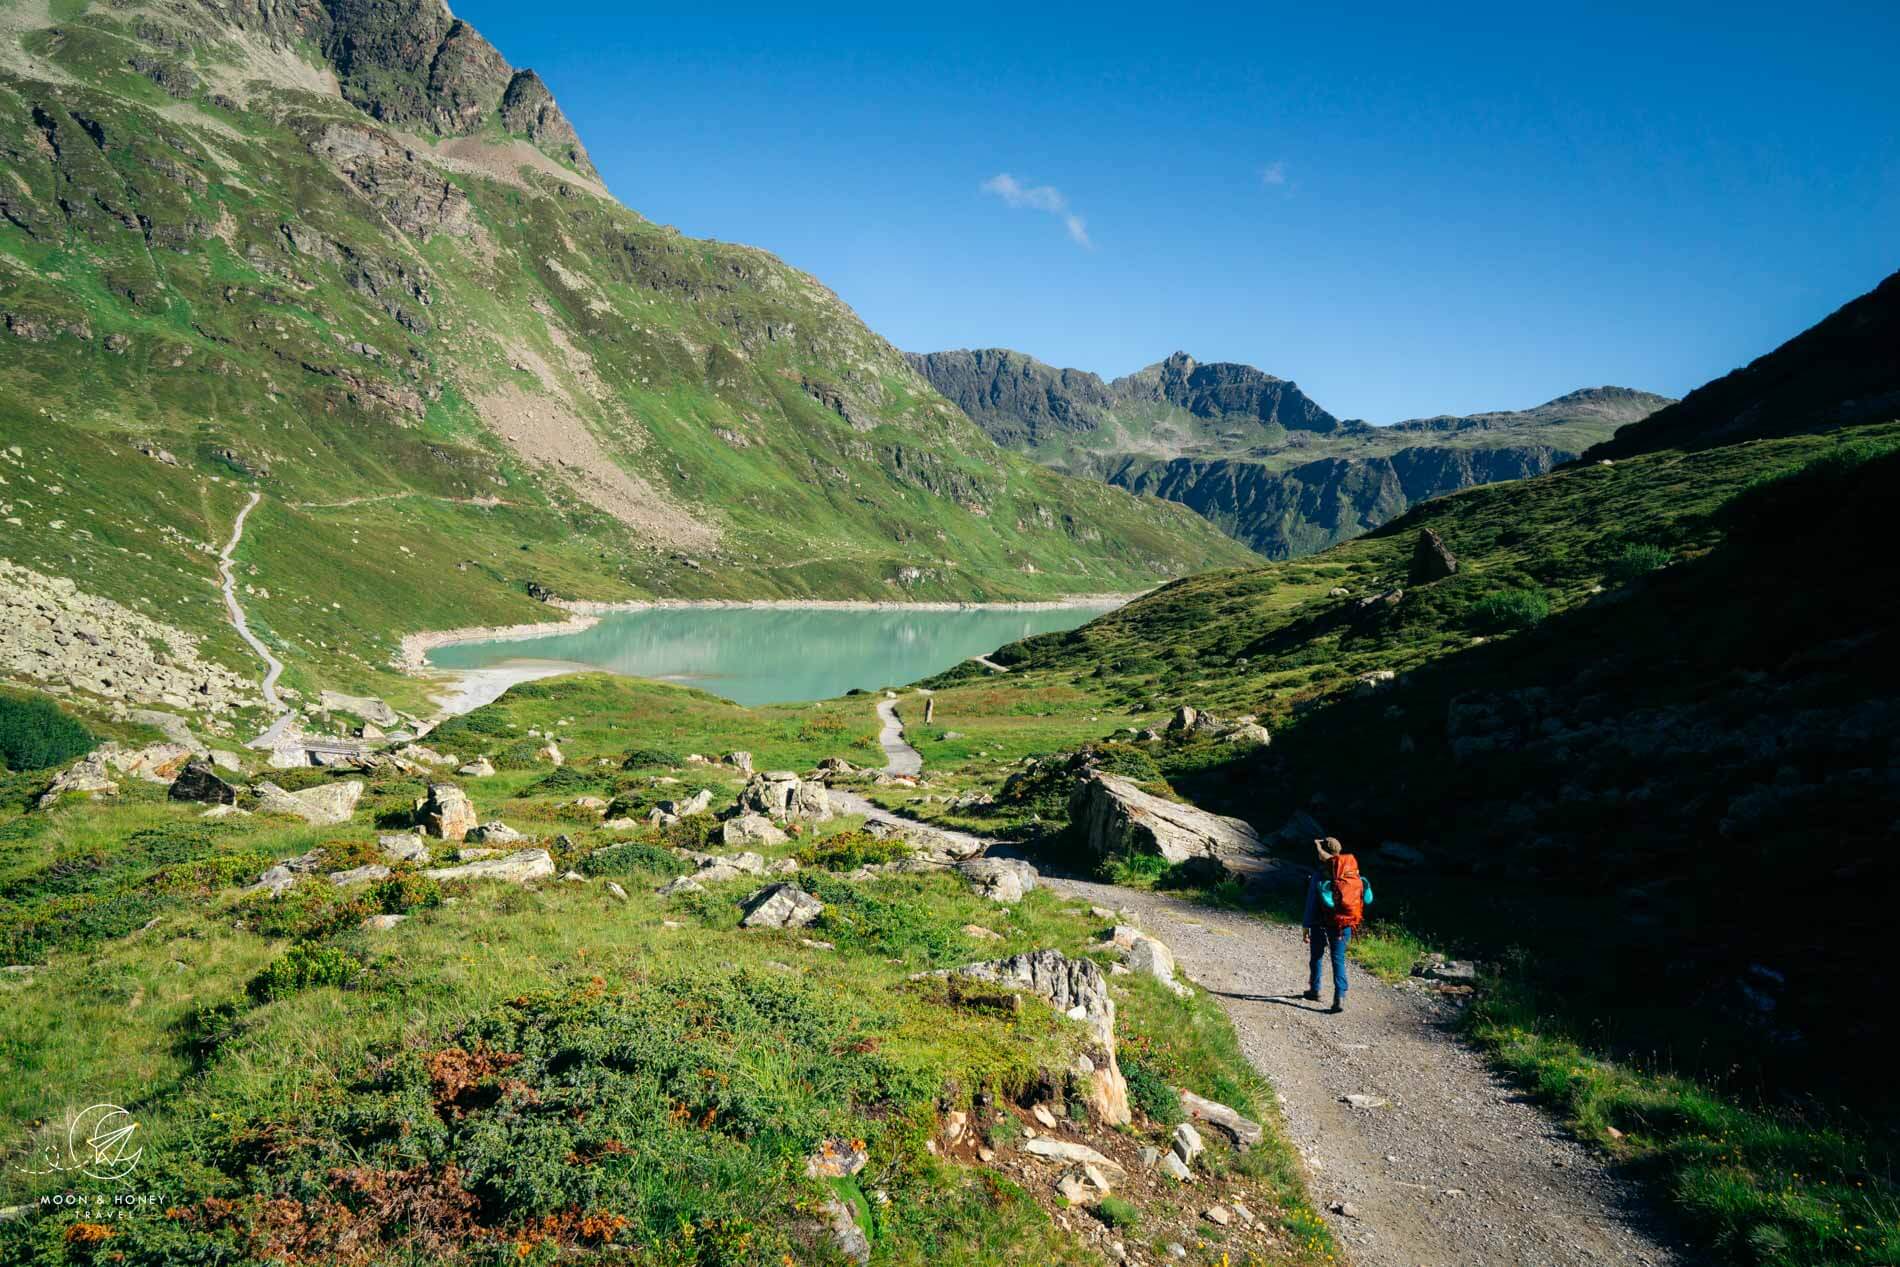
[(762, 655)]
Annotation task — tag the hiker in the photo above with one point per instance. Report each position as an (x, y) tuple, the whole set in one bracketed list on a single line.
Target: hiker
[(1336, 899)]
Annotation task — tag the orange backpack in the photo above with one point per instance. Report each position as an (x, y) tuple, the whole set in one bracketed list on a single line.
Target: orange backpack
[(1346, 891)]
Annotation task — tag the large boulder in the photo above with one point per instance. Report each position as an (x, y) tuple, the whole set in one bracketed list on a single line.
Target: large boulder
[(1431, 560), (368, 707), (1077, 989), (198, 782), (782, 794), (517, 868), (1115, 817), (323, 805), (750, 829), (999, 879), (781, 906), (446, 812)]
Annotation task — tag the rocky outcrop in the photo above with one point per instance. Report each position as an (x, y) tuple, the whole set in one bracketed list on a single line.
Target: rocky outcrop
[(782, 794), (1431, 559), (446, 812), (527, 106), (781, 906), (1077, 989), (413, 195), (1115, 817), (515, 868), (1145, 955)]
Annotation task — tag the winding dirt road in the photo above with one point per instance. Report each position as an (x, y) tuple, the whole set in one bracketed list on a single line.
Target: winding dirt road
[(273, 667)]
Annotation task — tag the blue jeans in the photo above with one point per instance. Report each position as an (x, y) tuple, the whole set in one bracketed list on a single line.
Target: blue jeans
[(1322, 938)]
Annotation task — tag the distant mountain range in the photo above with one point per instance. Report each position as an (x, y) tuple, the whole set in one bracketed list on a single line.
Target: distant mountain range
[(1252, 452)]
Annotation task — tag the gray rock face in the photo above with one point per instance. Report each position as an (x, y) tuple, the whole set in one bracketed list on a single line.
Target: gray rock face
[(325, 804), (196, 782), (516, 868), (359, 875), (1116, 817), (495, 832), (446, 812), (999, 879), (404, 847), (751, 829), (781, 906), (1431, 560)]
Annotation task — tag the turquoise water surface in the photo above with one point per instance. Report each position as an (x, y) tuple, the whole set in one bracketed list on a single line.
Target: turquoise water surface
[(755, 655)]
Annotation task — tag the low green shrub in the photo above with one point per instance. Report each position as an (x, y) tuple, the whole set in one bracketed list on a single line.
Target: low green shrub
[(635, 858), (1150, 1092), (305, 966), (519, 755), (649, 758), (1635, 561), (849, 850), (1509, 611), (1117, 1212), (565, 781), (406, 890), (36, 733)]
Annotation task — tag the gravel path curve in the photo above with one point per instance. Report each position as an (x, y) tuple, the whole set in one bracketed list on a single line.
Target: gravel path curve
[(1455, 1168), (899, 756)]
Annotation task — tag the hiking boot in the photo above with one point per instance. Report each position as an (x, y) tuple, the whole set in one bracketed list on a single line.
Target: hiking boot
[(1339, 1003), (1311, 996)]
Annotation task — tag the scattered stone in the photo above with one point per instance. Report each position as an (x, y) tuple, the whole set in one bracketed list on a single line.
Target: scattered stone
[(1042, 1115), (1147, 955), (837, 1159), (739, 760), (196, 782), (225, 811), (1069, 1150), (782, 794), (1219, 1215), (550, 753), (1458, 971), (383, 923), (446, 812), (781, 906), (87, 776), (1365, 1101), (680, 884), (1176, 1169), (368, 707), (495, 832), (1186, 1142), (1242, 1132), (480, 768), (981, 933), (359, 875), (517, 868), (1344, 1209)]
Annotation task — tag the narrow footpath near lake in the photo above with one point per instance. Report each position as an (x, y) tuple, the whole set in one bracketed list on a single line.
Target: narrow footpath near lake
[(1451, 1167), (273, 667)]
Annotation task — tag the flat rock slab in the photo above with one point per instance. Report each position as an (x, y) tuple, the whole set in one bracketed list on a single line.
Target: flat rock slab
[(517, 868)]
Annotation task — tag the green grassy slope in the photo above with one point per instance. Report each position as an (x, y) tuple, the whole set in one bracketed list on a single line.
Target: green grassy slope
[(557, 1073), (453, 365)]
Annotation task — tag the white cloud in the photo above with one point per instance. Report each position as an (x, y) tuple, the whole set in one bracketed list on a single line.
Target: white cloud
[(1039, 198), (1273, 173)]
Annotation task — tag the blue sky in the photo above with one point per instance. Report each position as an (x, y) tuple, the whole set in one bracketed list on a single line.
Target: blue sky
[(1408, 210)]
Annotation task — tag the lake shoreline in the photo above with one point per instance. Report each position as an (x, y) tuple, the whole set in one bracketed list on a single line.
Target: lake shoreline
[(467, 689)]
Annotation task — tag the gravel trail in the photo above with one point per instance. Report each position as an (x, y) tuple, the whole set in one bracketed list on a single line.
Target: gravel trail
[(1455, 1168)]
